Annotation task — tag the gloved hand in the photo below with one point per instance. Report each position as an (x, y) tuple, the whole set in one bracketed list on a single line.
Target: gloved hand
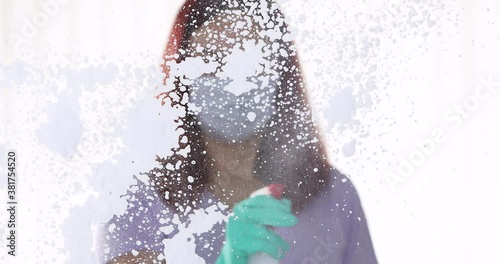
[(248, 230)]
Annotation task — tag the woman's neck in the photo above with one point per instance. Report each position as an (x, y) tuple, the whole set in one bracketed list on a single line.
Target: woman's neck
[(231, 169)]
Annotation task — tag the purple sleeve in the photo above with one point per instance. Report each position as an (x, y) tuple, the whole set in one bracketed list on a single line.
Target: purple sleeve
[(358, 247), (137, 228)]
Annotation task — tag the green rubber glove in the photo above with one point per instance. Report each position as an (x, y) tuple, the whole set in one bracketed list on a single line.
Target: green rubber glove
[(248, 230)]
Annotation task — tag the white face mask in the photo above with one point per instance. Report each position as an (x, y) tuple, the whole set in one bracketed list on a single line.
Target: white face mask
[(228, 116)]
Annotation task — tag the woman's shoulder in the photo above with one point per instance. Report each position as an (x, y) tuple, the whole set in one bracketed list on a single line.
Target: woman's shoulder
[(148, 221), (351, 216), (342, 199), (337, 201), (341, 186), (138, 227), (334, 225)]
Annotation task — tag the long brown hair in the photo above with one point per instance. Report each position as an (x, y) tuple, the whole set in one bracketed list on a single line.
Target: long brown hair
[(290, 151)]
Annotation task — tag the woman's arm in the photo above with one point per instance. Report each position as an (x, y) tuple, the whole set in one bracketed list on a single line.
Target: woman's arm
[(359, 247)]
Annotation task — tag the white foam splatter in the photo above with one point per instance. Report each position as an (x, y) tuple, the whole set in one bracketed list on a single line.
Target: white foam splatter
[(201, 221)]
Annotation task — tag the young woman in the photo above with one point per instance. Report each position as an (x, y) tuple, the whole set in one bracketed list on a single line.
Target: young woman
[(234, 69)]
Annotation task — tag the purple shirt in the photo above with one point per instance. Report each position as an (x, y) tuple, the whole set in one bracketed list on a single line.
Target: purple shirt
[(331, 229)]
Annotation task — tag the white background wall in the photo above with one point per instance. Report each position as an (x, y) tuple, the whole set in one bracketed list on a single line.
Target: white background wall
[(76, 90)]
